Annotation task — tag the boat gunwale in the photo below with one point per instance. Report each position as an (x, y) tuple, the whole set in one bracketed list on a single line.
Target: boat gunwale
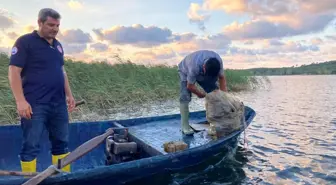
[(107, 170)]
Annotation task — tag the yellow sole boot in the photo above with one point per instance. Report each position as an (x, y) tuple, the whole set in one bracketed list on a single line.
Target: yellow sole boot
[(55, 158), (28, 166)]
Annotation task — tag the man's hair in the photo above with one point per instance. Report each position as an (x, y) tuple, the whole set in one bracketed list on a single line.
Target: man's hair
[(48, 12), (212, 67)]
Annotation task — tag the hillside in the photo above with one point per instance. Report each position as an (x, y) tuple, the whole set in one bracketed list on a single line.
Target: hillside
[(325, 68)]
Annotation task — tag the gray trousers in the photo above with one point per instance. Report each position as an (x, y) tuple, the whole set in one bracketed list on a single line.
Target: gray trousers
[(208, 84)]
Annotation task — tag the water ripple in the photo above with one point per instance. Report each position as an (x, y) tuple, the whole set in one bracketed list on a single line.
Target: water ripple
[(292, 140)]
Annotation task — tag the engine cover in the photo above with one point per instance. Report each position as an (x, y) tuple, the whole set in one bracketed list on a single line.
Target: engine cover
[(118, 149)]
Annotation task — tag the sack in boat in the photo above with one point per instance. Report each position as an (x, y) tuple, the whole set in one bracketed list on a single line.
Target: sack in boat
[(224, 112), (174, 146)]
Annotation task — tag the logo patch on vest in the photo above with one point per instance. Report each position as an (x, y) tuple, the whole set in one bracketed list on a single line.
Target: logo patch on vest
[(59, 49), (14, 50)]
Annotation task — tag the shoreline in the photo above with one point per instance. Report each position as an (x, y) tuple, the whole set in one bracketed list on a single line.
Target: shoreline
[(110, 88)]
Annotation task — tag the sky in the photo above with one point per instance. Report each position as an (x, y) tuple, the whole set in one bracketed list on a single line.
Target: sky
[(246, 33)]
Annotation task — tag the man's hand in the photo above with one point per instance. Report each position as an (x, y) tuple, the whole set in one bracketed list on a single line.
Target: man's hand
[(71, 103), (24, 109), (201, 95), (192, 88)]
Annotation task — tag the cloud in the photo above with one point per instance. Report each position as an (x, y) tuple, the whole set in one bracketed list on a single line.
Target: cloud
[(29, 28), (99, 47), (317, 41), (184, 37), (73, 48), (271, 9), (249, 42), (314, 6), (5, 22), (182, 45), (75, 36), (298, 47), (274, 18), (272, 47), (195, 16), (75, 5), (155, 54), (331, 37), (217, 42), (136, 35), (226, 5), (12, 35), (258, 29), (274, 42)]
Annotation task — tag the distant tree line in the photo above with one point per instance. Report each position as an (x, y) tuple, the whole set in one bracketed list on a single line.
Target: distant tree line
[(324, 68)]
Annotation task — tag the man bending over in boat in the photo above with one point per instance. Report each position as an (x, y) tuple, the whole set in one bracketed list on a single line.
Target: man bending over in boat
[(204, 67), (41, 89)]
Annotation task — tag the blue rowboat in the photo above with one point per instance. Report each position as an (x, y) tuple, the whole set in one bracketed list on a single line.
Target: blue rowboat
[(146, 137)]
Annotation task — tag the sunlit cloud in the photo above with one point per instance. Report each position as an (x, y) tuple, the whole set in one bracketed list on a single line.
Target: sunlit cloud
[(274, 19), (136, 35), (195, 15), (75, 36), (75, 5), (253, 33), (5, 21)]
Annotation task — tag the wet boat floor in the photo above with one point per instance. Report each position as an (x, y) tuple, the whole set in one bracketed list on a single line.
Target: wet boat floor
[(156, 134)]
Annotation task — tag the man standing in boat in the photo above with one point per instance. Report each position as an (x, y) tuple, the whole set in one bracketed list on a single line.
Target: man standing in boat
[(204, 67), (41, 89)]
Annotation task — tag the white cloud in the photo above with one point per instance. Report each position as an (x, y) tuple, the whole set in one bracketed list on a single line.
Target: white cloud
[(258, 29), (75, 36), (5, 22), (71, 48), (194, 15), (75, 5), (12, 35), (99, 47), (141, 36), (274, 18)]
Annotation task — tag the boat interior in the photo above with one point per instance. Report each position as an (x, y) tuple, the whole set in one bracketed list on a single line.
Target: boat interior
[(134, 138)]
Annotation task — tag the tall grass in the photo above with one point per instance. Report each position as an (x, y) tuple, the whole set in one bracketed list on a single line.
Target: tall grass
[(104, 86)]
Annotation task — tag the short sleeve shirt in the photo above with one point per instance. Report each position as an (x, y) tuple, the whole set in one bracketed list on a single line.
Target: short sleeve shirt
[(42, 74), (192, 65)]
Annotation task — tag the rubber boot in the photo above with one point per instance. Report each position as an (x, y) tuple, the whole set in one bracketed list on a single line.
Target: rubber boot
[(184, 110), (28, 166), (55, 161)]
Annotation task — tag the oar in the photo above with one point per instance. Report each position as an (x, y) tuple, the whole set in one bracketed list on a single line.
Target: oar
[(80, 103), (77, 153), (17, 173)]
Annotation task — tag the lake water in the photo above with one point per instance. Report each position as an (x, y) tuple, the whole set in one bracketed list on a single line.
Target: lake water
[(292, 139)]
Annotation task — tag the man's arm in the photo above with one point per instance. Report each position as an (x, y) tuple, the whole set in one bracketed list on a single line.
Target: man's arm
[(15, 82), (191, 80), (14, 78), (222, 83), (192, 88), (66, 85), (70, 98), (221, 75), (17, 61)]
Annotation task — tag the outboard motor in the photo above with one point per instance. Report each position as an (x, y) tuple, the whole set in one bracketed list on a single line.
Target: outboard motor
[(118, 149)]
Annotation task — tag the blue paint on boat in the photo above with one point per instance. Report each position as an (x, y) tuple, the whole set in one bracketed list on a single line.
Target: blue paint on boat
[(150, 133)]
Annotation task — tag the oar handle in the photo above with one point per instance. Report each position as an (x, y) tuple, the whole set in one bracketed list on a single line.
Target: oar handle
[(81, 102), (84, 148), (17, 173), (77, 153)]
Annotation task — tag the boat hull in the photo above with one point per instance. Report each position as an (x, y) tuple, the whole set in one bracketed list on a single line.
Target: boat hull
[(90, 169)]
